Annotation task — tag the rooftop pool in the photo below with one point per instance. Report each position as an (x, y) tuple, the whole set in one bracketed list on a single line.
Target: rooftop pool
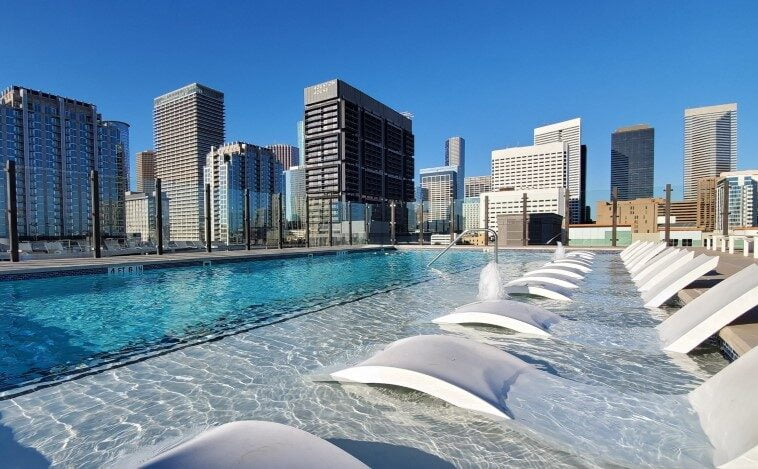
[(109, 371)]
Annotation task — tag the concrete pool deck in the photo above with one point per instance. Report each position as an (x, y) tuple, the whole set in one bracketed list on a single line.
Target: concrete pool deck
[(742, 334)]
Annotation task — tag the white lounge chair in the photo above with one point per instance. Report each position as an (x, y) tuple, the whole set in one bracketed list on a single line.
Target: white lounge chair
[(642, 260), (728, 411), (678, 279), (638, 255), (508, 314), (54, 248), (624, 252), (569, 265), (709, 312), (462, 372), (552, 292), (657, 262), (248, 444), (627, 253), (555, 271), (544, 279), (654, 277)]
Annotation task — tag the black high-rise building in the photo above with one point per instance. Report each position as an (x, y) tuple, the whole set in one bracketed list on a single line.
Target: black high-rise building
[(356, 149), (632, 161)]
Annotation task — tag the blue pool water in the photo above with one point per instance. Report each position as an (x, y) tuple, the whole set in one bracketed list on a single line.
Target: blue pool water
[(606, 396), (53, 327)]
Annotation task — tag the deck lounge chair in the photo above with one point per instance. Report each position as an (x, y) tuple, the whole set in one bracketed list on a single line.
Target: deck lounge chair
[(248, 444), (508, 314), (653, 277), (552, 292), (542, 279), (709, 312), (677, 279)]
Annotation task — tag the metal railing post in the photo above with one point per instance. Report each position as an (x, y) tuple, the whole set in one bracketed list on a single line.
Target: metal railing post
[(486, 200), (94, 181), (246, 219), (667, 223), (158, 217), (393, 241), (281, 222), (307, 223), (420, 221), (12, 210), (524, 240), (207, 218), (725, 210), (614, 223), (350, 223), (331, 224)]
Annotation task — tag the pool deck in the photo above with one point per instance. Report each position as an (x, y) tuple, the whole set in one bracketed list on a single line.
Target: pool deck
[(89, 265), (742, 334)]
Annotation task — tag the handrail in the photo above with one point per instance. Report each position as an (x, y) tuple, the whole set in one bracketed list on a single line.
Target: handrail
[(470, 230)]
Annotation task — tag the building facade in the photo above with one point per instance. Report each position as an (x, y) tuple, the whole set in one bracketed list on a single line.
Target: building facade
[(470, 212), (141, 217), (356, 149), (706, 203), (145, 171), (229, 170), (743, 199), (455, 155), (542, 166), (301, 141), (710, 144), (438, 189), (294, 194), (510, 202), (569, 132), (187, 123), (287, 155), (56, 142), (632, 161), (475, 185), (640, 214)]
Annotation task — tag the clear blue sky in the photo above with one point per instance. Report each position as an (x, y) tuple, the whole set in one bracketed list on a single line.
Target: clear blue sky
[(489, 72)]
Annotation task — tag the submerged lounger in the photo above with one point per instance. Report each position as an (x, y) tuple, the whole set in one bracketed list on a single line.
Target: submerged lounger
[(552, 292), (545, 279), (460, 371), (634, 258), (654, 278), (633, 249), (657, 263), (250, 443), (570, 265), (728, 412), (709, 312), (514, 315), (678, 279), (642, 261), (629, 249), (568, 274)]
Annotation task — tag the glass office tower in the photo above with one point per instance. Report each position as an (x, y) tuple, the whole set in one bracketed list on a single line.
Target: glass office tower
[(632, 161)]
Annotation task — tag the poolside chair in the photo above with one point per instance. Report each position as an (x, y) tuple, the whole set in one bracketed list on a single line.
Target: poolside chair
[(543, 290), (543, 279), (508, 314), (709, 312), (657, 262), (640, 254), (568, 265), (460, 371), (25, 247), (629, 248), (728, 412), (54, 248), (654, 276), (250, 443), (640, 261), (563, 273), (677, 279)]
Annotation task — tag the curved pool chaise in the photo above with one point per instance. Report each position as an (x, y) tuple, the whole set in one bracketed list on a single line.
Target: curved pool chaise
[(633, 259), (708, 313), (633, 249), (575, 260), (655, 277), (545, 279), (565, 267), (563, 273), (678, 279), (658, 262), (571, 265), (508, 314), (255, 444), (460, 371), (728, 411), (552, 292), (643, 248), (641, 261)]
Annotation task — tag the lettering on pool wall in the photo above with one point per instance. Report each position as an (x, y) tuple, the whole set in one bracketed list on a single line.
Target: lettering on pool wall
[(125, 270)]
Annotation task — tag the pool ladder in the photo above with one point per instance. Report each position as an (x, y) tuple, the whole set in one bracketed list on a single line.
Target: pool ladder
[(463, 233)]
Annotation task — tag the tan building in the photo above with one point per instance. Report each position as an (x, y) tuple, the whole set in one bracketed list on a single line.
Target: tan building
[(145, 171), (640, 214), (682, 213), (706, 203)]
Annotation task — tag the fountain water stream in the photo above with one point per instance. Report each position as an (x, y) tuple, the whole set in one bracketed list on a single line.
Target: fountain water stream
[(490, 287)]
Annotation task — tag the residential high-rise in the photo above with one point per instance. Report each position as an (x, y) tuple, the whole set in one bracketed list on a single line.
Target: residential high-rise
[(140, 216), (455, 155), (743, 199), (710, 144), (356, 149), (438, 188), (294, 194), (301, 142), (145, 171), (56, 142), (470, 212), (706, 203), (569, 132), (287, 155), (534, 167), (632, 158), (475, 185), (187, 123), (230, 169)]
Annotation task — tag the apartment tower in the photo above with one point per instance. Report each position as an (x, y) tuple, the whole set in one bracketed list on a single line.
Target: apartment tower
[(455, 155), (475, 185), (632, 161), (145, 171), (187, 123), (710, 144), (287, 155)]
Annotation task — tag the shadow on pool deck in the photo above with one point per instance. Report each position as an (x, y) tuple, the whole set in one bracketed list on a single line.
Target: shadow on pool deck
[(377, 455), (16, 455)]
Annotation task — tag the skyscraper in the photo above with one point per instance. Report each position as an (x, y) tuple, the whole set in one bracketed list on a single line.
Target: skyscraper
[(230, 169), (632, 161), (301, 142), (187, 123), (438, 188), (140, 216), (287, 155), (294, 194), (743, 199), (145, 171), (710, 144), (356, 149), (56, 142), (533, 167), (455, 155), (475, 185), (569, 132)]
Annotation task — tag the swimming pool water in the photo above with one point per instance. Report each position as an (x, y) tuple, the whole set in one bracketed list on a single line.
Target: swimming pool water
[(608, 396)]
